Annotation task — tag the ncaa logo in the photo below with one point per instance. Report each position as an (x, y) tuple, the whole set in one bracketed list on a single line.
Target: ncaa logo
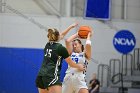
[(124, 41)]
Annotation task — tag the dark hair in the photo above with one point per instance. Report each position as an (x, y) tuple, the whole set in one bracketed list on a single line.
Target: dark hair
[(53, 34), (79, 41)]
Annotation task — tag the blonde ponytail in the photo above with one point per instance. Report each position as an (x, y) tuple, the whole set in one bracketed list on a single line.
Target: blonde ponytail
[(53, 34)]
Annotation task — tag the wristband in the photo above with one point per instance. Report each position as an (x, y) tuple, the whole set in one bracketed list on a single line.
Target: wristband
[(88, 42)]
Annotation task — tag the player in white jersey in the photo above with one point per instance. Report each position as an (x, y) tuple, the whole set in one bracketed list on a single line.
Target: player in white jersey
[(74, 81)]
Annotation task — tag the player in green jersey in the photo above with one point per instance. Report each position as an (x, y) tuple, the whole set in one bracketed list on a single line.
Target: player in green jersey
[(48, 79)]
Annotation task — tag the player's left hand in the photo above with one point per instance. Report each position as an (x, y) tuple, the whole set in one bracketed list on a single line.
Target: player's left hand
[(81, 67)]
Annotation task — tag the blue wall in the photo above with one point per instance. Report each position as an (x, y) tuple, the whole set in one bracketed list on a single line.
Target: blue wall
[(19, 68)]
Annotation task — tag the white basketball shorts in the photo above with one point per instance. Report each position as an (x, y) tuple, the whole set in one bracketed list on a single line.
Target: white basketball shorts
[(73, 83)]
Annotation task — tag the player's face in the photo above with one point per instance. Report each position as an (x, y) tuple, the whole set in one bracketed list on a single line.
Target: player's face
[(94, 76), (77, 46)]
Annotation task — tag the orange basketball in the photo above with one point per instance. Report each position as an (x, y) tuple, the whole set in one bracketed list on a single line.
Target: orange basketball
[(83, 31)]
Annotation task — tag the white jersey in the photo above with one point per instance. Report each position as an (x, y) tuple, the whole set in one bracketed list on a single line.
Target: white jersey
[(75, 79), (78, 58)]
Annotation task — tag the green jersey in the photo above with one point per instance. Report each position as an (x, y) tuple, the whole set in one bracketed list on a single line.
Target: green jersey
[(53, 55)]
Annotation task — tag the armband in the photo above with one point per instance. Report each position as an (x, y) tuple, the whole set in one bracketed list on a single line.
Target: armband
[(88, 42)]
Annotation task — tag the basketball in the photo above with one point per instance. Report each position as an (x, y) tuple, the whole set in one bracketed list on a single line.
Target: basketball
[(83, 31)]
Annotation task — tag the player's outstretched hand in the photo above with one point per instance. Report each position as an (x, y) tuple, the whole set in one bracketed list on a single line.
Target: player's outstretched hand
[(74, 24), (81, 67)]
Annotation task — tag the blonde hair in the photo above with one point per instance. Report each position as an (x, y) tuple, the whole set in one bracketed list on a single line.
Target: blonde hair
[(53, 34)]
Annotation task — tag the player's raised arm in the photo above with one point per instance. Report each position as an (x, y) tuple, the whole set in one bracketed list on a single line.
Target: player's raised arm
[(63, 33), (69, 41), (88, 46)]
